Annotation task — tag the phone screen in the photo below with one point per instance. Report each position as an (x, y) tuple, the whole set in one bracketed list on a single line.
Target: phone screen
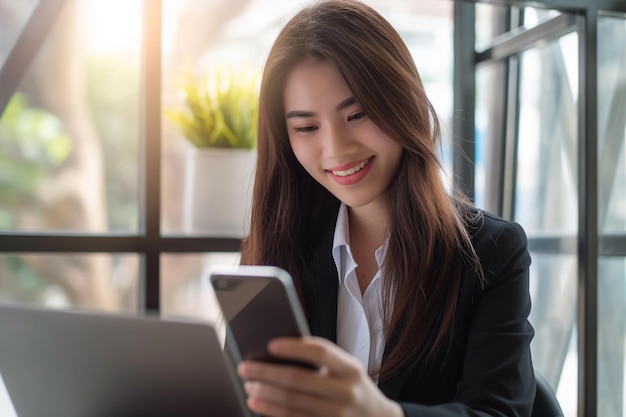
[(257, 310)]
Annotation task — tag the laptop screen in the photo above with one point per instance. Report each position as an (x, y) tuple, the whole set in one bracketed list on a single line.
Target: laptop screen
[(77, 364)]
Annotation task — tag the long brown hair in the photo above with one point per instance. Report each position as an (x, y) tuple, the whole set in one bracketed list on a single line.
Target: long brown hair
[(428, 238)]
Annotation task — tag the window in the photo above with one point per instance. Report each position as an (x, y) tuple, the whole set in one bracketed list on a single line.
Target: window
[(94, 212), (550, 134)]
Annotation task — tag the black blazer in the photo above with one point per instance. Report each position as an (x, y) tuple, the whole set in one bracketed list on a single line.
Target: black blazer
[(487, 368)]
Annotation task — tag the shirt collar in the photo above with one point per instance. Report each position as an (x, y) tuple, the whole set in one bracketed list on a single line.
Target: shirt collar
[(341, 246), (381, 252), (341, 228)]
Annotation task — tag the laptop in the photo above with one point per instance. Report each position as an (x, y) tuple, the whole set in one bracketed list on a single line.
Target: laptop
[(60, 363)]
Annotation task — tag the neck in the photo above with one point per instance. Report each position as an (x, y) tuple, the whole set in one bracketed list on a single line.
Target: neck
[(368, 225), (368, 230)]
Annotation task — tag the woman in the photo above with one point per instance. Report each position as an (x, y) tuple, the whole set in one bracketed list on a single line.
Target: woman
[(418, 301)]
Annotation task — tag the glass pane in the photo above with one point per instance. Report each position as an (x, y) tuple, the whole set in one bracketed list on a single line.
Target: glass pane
[(535, 16), (13, 17), (612, 125), (490, 22), (106, 282), (553, 286), (69, 136), (546, 204), (185, 288), (203, 37), (611, 214), (611, 336), (546, 194), (489, 130)]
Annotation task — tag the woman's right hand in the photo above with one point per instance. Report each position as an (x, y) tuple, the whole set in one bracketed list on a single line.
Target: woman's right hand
[(340, 388)]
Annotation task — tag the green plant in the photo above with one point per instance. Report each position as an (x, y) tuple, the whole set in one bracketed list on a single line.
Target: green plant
[(217, 110), (33, 143)]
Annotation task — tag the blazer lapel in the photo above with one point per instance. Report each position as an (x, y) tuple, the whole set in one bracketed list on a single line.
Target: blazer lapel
[(320, 281), (421, 375), (320, 295), (393, 386)]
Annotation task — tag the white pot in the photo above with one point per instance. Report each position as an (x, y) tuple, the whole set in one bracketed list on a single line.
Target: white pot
[(218, 191)]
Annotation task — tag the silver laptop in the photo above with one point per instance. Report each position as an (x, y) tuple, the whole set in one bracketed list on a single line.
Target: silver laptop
[(80, 364)]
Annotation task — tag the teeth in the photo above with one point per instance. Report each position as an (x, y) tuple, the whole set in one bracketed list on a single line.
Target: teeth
[(351, 170)]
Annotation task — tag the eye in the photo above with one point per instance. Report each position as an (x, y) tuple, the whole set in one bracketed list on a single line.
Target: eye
[(356, 116), (305, 129)]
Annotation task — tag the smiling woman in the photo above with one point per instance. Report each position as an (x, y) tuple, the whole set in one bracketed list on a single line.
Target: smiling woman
[(335, 140), (203, 35), (349, 199)]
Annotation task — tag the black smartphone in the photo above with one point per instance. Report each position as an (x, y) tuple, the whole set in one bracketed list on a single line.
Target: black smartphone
[(259, 303)]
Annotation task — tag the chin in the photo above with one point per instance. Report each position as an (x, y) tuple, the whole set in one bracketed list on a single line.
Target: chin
[(354, 202)]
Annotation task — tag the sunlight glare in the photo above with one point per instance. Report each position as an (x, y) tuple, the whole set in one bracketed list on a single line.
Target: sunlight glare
[(112, 25)]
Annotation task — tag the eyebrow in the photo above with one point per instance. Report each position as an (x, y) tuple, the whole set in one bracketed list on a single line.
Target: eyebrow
[(304, 113)]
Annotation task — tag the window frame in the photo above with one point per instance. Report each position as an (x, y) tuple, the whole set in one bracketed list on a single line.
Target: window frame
[(148, 242), (588, 245)]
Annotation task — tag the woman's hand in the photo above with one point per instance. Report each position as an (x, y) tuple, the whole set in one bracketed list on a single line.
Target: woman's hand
[(340, 388)]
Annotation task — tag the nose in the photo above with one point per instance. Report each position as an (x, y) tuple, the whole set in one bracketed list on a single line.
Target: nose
[(337, 140)]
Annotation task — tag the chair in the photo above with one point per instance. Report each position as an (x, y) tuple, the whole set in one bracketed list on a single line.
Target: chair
[(546, 404)]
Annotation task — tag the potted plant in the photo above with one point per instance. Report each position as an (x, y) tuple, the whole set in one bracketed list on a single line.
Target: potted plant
[(217, 114)]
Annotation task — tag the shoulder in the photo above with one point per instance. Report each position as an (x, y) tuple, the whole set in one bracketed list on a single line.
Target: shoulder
[(485, 228), (499, 244)]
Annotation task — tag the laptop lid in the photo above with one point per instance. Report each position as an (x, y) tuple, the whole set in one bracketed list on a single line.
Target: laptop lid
[(79, 364)]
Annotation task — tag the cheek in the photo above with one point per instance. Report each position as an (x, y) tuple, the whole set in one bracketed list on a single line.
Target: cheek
[(303, 152), (396, 152), (374, 137)]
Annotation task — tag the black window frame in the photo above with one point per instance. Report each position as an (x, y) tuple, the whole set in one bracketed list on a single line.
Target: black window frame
[(148, 242), (589, 245)]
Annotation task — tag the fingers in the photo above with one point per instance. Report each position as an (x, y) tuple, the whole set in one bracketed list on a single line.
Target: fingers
[(269, 400), (294, 379), (317, 351), (277, 390), (340, 385)]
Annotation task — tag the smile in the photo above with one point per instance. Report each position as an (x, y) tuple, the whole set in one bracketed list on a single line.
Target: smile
[(353, 170)]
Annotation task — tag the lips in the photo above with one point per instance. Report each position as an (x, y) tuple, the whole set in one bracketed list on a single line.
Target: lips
[(351, 170), (351, 173)]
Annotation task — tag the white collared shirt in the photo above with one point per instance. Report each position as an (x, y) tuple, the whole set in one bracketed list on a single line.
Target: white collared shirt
[(359, 317)]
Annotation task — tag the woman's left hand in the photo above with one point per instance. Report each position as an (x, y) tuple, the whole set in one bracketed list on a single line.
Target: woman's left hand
[(341, 387)]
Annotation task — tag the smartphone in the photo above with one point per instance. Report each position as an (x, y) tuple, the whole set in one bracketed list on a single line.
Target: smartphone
[(259, 303)]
